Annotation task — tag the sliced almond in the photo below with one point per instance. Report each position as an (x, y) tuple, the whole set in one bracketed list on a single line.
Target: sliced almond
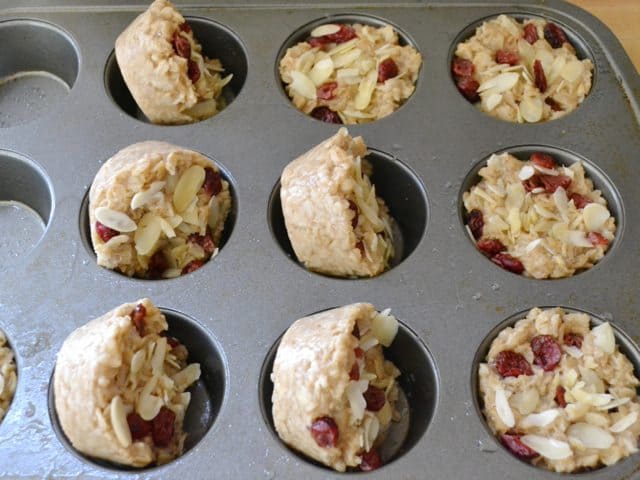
[(503, 409), (560, 231), (562, 203), (624, 423), (595, 216), (515, 196), (187, 376), (500, 83), (515, 223), (527, 51), (546, 58), (321, 71), (365, 90), (572, 71), (142, 198), (546, 171), (493, 101), (603, 337), (137, 361), (347, 58), (303, 85), (384, 328), (577, 238), (526, 172), (166, 228), (343, 47), (525, 402), (590, 377), (541, 419), (326, 29), (119, 421), (547, 447), (531, 109), (148, 406), (355, 391), (305, 61), (147, 234), (615, 403), (115, 220), (556, 67), (590, 436), (157, 361), (348, 76), (188, 185)]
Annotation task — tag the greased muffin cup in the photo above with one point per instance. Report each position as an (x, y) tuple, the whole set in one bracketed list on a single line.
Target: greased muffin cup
[(231, 312)]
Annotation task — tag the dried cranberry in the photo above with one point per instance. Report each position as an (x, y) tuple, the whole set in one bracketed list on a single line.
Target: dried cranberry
[(182, 46), (512, 364), (325, 114), (546, 352), (532, 183), (469, 88), (573, 339), (345, 34), (370, 460), (105, 233), (555, 106), (354, 207), (554, 35), (205, 241), (540, 77), (171, 341), (139, 428), (543, 160), (157, 265), (475, 223), (354, 374), (359, 352), (137, 317), (325, 432), (386, 70), (508, 262), (515, 446), (462, 67), (530, 33), (560, 400), (318, 42), (490, 246), (192, 266), (580, 201), (193, 71), (360, 246), (552, 182), (507, 57), (163, 427), (375, 398), (596, 239), (212, 182), (185, 27), (327, 91)]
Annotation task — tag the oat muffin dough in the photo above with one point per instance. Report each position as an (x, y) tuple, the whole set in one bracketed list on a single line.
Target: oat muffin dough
[(170, 79), (513, 90), (313, 378), (334, 220), (592, 422), (8, 375), (553, 233), (350, 73), (164, 208), (107, 372)]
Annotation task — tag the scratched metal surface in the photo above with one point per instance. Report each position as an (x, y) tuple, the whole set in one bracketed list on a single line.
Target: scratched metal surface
[(447, 295)]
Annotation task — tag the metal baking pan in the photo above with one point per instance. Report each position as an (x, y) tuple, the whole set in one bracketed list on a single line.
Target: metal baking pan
[(231, 312)]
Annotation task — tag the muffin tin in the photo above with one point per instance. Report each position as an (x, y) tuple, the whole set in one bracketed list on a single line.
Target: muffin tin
[(231, 312)]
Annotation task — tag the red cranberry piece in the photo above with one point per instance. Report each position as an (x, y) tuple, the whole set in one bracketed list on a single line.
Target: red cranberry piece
[(508, 262), (212, 182), (573, 339), (462, 67), (163, 427), (540, 77), (345, 34), (192, 266), (469, 88), (137, 317), (546, 352), (354, 207), (325, 432), (139, 428), (205, 241), (105, 233), (359, 352), (555, 106), (157, 265), (193, 71), (325, 114), (554, 35), (490, 246), (560, 396), (507, 57), (370, 460), (512, 364), (171, 341), (543, 160), (476, 223), (185, 27), (360, 246), (532, 183), (182, 46), (580, 201), (386, 70), (375, 398), (597, 239), (318, 42), (552, 182), (515, 446), (530, 33), (327, 91), (354, 374)]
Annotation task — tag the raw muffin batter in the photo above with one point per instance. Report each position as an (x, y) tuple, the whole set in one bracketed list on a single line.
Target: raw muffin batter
[(8, 376), (521, 72), (334, 393), (163, 65), (537, 217), (157, 210), (559, 393), (350, 73), (334, 220), (120, 386)]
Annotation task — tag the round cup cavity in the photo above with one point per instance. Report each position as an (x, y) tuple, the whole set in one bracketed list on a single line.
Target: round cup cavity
[(207, 394), (402, 192), (84, 224), (417, 400), (580, 45), (26, 206), (626, 346), (563, 157), (217, 40), (303, 33), (15, 361), (39, 66)]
